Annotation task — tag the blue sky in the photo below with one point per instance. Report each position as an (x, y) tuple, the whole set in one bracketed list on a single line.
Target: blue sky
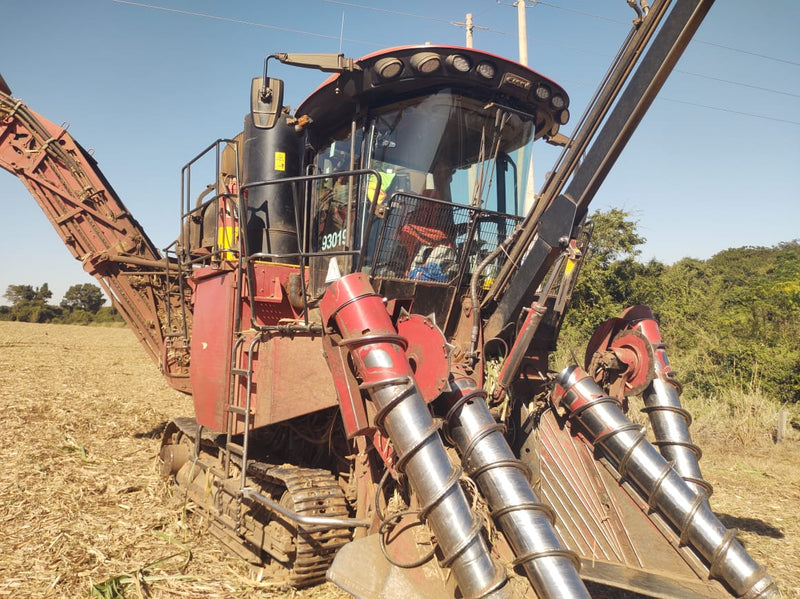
[(714, 164)]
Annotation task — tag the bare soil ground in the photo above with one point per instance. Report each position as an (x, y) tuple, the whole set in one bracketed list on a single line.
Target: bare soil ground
[(81, 503)]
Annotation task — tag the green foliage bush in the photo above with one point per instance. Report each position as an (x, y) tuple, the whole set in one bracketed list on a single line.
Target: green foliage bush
[(731, 322), (34, 310), (81, 305)]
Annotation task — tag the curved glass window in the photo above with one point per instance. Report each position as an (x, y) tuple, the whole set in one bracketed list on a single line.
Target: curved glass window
[(449, 189), (449, 147)]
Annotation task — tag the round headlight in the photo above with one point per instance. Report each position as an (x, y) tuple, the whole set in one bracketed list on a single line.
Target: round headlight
[(558, 101), (486, 70), (426, 62), (388, 68), (564, 116), (542, 92), (459, 62)]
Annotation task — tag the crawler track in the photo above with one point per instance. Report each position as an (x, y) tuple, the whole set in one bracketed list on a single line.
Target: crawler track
[(301, 554), (308, 492)]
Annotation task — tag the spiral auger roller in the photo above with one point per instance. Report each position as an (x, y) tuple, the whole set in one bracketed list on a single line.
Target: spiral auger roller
[(379, 357), (669, 419), (504, 481), (625, 446)]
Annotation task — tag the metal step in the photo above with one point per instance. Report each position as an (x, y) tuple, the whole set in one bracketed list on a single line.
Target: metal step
[(240, 410)]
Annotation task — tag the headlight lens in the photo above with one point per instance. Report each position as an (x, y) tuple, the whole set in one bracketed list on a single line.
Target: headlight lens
[(426, 62), (459, 63), (486, 70), (389, 68)]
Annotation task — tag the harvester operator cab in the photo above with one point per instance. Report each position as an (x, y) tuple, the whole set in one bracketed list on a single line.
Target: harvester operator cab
[(411, 164), (441, 193)]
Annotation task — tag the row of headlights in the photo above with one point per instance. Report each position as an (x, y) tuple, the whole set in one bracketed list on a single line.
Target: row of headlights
[(426, 63)]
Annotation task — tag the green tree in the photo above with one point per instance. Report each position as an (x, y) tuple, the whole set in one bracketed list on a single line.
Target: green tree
[(25, 293), (614, 237), (34, 311), (29, 304), (85, 297), (731, 322), (611, 279), (108, 314), (43, 293)]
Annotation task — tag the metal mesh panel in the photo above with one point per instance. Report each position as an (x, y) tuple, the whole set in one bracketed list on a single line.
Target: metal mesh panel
[(430, 240)]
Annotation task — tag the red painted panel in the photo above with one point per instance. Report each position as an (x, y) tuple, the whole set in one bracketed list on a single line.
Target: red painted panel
[(292, 378), (211, 345)]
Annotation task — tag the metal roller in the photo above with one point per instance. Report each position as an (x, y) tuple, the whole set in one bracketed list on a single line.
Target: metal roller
[(504, 482), (624, 444), (670, 420), (378, 354)]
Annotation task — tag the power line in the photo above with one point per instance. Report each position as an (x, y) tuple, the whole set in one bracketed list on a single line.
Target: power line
[(354, 5), (694, 41), (717, 108), (702, 76), (776, 59), (758, 87), (579, 12), (386, 10), (408, 14), (750, 114), (240, 22)]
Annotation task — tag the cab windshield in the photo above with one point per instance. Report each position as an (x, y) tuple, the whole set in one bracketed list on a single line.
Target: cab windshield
[(450, 188), (452, 148)]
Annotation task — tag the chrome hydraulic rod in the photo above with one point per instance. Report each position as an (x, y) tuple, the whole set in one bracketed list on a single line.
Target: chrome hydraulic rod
[(504, 482), (625, 446), (359, 316), (669, 419)]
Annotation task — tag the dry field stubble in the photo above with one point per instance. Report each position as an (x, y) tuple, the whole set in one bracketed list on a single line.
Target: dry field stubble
[(81, 503)]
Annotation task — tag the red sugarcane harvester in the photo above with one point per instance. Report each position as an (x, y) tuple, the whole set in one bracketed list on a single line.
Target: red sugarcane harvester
[(363, 316)]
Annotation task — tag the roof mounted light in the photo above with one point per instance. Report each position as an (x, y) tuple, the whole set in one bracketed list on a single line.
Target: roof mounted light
[(486, 70), (542, 92), (558, 102), (459, 62), (389, 67), (426, 62)]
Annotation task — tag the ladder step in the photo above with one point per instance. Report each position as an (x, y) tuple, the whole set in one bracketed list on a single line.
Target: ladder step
[(235, 448), (240, 410), (239, 372)]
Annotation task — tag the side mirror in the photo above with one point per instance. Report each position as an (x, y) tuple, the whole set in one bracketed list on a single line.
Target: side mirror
[(266, 101)]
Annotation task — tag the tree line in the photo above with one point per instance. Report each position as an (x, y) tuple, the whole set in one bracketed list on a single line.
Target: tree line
[(730, 322), (82, 304)]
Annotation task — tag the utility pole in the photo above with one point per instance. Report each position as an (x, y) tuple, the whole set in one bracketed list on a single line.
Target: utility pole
[(470, 27), (529, 192), (523, 32)]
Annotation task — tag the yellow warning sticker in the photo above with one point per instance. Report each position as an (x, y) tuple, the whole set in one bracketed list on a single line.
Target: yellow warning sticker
[(280, 161)]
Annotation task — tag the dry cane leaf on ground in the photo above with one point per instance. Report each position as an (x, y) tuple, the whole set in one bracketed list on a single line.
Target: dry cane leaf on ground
[(84, 513)]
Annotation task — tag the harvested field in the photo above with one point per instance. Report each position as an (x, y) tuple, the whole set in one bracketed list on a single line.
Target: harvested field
[(81, 503)]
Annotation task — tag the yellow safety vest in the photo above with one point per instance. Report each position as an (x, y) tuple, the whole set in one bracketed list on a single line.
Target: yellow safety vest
[(386, 181)]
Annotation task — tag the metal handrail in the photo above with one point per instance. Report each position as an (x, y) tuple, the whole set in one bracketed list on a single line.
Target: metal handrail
[(300, 520)]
